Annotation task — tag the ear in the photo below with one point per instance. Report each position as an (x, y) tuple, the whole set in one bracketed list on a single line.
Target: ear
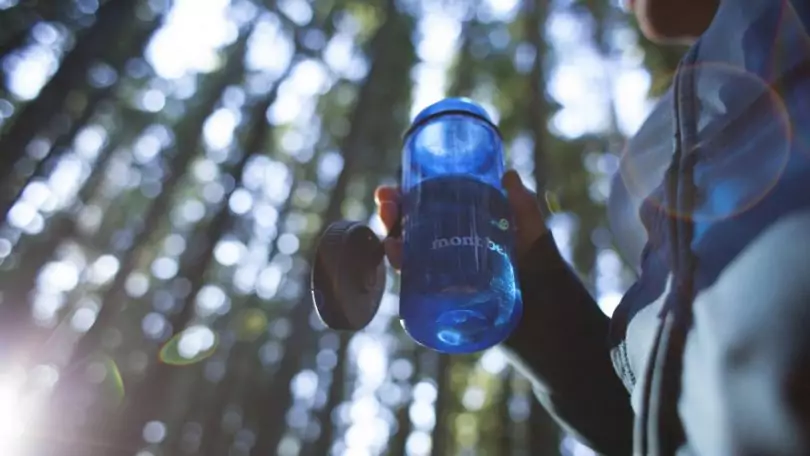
[(674, 21)]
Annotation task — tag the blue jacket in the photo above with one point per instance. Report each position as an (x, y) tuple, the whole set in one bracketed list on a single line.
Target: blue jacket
[(721, 161)]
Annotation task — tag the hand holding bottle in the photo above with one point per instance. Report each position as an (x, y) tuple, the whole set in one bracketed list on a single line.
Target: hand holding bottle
[(465, 224), (528, 217)]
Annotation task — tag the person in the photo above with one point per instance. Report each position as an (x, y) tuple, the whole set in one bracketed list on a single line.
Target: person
[(708, 352)]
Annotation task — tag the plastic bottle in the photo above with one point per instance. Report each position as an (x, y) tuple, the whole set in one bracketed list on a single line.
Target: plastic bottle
[(459, 291)]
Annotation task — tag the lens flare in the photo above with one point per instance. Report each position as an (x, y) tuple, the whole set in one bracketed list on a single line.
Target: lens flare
[(191, 346), (743, 144), (15, 413)]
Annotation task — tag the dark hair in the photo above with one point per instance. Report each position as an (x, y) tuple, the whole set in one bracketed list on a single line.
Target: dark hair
[(668, 21)]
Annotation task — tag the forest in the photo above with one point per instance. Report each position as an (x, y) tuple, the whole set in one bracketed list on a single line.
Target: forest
[(167, 166)]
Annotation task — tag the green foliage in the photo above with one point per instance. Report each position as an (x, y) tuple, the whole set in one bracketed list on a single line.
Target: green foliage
[(662, 63)]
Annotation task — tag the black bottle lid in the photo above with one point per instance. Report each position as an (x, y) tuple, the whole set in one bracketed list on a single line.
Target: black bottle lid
[(348, 278)]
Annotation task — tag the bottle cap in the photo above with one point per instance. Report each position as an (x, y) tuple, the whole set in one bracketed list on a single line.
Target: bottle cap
[(447, 106), (348, 279)]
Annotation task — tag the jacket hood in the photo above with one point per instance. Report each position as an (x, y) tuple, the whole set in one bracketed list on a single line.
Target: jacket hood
[(750, 46)]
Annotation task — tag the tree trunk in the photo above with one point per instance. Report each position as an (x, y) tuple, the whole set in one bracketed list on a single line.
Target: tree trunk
[(153, 393), (211, 441), (94, 97), (188, 140), (439, 438), (398, 442), (544, 434), (464, 69), (16, 22), (544, 437), (535, 19), (242, 360), (189, 133), (259, 139), (506, 435), (337, 386), (367, 127), (17, 337), (112, 16)]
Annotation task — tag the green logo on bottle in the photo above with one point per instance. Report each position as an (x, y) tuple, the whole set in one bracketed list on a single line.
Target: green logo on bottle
[(503, 224)]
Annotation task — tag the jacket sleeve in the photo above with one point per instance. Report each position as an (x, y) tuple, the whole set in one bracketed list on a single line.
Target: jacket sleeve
[(746, 366), (561, 345)]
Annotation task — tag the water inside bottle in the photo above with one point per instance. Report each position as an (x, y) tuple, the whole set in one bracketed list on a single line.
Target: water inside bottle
[(458, 291)]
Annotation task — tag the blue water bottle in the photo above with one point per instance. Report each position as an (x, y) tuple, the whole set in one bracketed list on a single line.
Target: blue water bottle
[(459, 291)]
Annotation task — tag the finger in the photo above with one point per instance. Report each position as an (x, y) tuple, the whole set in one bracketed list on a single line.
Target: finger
[(393, 250), (386, 193), (387, 199), (389, 214)]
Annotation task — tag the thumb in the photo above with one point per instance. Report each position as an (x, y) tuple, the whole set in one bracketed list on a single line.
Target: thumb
[(528, 216), (521, 198)]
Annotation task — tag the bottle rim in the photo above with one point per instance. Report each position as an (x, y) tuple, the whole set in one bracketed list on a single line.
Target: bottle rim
[(458, 106)]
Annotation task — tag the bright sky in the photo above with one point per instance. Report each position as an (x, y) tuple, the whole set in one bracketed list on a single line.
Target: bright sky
[(196, 28), (187, 45)]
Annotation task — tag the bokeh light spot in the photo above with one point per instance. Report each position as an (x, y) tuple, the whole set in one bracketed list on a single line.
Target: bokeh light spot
[(190, 346)]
